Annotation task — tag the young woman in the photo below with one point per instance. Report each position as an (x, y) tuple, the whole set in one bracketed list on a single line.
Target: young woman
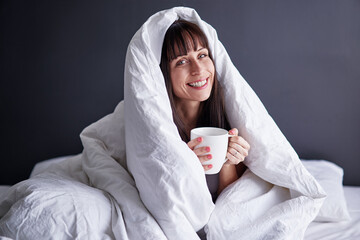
[(197, 100)]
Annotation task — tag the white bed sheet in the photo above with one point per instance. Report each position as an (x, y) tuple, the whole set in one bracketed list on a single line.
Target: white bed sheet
[(347, 230)]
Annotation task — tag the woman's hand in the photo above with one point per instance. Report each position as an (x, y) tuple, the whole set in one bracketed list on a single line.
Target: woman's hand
[(201, 152), (238, 148)]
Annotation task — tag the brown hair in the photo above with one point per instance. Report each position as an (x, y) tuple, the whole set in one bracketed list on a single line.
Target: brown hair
[(181, 37)]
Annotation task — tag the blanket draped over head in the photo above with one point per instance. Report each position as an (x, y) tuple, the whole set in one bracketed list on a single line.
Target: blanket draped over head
[(136, 178)]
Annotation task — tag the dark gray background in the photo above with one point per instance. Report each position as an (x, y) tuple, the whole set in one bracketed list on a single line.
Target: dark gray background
[(62, 69)]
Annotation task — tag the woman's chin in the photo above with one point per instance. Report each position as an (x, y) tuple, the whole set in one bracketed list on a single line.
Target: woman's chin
[(203, 98)]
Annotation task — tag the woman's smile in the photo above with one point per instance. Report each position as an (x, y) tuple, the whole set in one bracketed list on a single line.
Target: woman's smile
[(199, 84)]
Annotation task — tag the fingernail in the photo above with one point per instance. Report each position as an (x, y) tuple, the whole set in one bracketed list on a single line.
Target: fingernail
[(209, 156), (199, 139), (231, 131), (207, 149), (210, 165)]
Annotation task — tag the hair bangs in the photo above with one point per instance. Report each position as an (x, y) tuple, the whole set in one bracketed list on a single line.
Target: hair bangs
[(183, 39)]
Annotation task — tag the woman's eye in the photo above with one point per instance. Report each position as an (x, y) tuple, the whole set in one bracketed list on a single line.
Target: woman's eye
[(202, 55), (181, 62)]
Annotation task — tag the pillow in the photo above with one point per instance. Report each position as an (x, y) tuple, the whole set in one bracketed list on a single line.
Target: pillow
[(330, 177), (48, 206)]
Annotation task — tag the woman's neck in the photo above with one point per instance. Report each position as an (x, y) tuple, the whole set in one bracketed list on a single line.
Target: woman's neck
[(188, 112)]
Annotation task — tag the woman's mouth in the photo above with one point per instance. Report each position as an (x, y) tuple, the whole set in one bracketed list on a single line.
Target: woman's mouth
[(199, 84)]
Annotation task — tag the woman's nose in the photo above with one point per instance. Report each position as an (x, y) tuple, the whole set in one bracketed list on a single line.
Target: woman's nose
[(195, 67)]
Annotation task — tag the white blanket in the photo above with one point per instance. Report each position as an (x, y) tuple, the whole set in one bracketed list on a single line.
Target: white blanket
[(143, 181)]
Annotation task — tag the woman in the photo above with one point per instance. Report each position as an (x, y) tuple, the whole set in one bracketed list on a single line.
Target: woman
[(197, 100)]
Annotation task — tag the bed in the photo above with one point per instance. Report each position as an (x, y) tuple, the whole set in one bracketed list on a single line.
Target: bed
[(340, 217)]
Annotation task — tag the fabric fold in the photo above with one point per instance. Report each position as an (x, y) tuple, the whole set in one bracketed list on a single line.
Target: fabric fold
[(104, 161)]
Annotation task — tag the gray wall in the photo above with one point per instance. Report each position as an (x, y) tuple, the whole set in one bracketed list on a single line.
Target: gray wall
[(62, 69)]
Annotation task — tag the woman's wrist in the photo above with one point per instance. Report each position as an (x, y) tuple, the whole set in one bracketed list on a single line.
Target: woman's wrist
[(227, 175)]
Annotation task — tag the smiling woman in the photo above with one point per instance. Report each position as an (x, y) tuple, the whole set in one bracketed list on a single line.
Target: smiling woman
[(197, 99)]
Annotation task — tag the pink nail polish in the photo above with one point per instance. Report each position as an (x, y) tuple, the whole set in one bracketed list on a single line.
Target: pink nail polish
[(199, 139), (209, 156), (207, 149), (210, 166)]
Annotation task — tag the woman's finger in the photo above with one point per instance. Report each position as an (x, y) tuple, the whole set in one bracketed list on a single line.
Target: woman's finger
[(235, 157), (207, 167), (201, 151), (234, 132), (193, 143), (205, 158), (237, 148), (240, 141)]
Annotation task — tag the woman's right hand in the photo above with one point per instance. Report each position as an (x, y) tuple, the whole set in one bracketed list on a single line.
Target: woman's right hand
[(201, 152)]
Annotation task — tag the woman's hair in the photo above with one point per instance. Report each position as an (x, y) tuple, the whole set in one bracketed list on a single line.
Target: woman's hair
[(182, 37)]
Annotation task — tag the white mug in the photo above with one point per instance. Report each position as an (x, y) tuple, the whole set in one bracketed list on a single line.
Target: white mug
[(217, 139)]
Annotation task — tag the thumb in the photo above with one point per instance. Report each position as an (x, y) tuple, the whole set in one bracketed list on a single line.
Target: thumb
[(234, 131)]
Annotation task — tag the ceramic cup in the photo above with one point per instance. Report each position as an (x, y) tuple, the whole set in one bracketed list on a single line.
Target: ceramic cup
[(217, 139)]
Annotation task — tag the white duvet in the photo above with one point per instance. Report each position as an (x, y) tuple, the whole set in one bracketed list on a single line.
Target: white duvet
[(136, 178)]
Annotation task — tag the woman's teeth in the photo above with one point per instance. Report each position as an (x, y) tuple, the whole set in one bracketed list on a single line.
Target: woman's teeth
[(198, 84)]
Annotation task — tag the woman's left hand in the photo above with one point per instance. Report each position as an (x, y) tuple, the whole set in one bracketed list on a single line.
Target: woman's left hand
[(238, 148)]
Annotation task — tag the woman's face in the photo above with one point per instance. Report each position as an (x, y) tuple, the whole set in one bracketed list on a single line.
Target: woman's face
[(192, 75)]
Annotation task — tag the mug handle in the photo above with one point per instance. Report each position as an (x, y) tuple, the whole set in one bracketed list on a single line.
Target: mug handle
[(229, 135)]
